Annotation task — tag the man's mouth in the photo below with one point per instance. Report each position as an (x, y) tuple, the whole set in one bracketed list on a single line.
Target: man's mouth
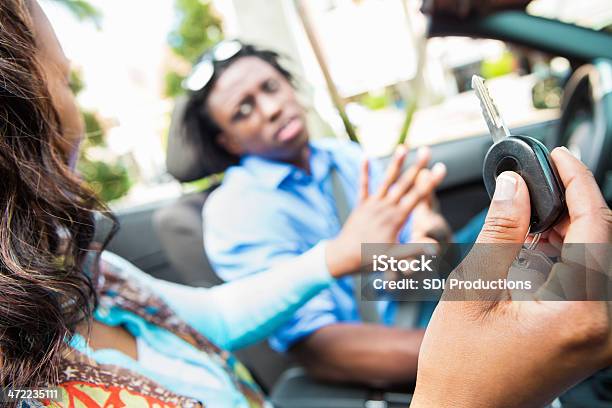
[(290, 130)]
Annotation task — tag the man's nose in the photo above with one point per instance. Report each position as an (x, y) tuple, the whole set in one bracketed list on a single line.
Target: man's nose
[(270, 106)]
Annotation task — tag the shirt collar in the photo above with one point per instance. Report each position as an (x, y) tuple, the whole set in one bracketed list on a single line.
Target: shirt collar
[(272, 173)]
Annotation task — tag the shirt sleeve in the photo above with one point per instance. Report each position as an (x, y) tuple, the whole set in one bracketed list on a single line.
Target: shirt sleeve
[(245, 311)]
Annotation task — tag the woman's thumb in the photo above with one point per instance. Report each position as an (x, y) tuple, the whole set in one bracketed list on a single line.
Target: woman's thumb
[(499, 241), (509, 213)]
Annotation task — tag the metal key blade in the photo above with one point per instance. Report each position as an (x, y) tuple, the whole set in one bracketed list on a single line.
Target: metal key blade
[(496, 124)]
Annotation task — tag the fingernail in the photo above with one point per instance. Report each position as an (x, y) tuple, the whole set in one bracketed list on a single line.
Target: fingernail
[(568, 151), (439, 168), (505, 187), (400, 150), (422, 152)]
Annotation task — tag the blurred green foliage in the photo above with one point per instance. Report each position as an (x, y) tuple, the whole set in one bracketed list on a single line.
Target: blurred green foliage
[(202, 184), (491, 68), (110, 181), (95, 132), (173, 84), (197, 29), (377, 100), (546, 93), (76, 81), (109, 178)]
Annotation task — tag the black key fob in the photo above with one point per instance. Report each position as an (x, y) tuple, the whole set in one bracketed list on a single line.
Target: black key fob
[(531, 160)]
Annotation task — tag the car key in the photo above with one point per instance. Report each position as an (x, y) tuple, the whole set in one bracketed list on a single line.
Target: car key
[(525, 156)]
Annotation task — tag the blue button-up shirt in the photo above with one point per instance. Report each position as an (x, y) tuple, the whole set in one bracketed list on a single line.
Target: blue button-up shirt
[(267, 211)]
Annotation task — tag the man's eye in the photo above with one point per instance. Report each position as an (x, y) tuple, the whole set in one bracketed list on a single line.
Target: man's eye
[(244, 109), (271, 85)]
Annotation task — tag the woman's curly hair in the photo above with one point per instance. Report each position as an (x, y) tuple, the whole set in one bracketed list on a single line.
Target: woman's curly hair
[(46, 217)]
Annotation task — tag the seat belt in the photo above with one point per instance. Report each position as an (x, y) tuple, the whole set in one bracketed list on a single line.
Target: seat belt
[(407, 312), (367, 309)]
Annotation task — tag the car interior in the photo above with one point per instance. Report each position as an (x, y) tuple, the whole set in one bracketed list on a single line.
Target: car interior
[(165, 239)]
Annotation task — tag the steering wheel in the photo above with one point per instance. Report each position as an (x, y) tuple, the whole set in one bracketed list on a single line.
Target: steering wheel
[(586, 119)]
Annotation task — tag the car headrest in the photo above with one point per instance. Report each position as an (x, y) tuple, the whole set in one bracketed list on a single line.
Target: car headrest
[(185, 154)]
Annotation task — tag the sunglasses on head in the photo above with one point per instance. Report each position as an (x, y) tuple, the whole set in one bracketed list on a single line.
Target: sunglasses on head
[(204, 70)]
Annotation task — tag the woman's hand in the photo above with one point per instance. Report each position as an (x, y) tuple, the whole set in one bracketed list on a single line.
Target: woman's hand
[(504, 353), (379, 217)]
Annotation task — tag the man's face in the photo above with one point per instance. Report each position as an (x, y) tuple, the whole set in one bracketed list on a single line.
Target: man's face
[(257, 111)]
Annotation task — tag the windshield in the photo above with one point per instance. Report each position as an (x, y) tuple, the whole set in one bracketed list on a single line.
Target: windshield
[(594, 14)]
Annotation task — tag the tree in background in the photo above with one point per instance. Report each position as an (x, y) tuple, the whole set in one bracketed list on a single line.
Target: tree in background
[(102, 170), (197, 29)]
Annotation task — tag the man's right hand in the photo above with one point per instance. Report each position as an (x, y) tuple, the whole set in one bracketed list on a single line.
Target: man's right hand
[(379, 217)]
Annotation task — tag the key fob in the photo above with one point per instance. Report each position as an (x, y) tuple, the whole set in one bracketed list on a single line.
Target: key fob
[(531, 160)]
